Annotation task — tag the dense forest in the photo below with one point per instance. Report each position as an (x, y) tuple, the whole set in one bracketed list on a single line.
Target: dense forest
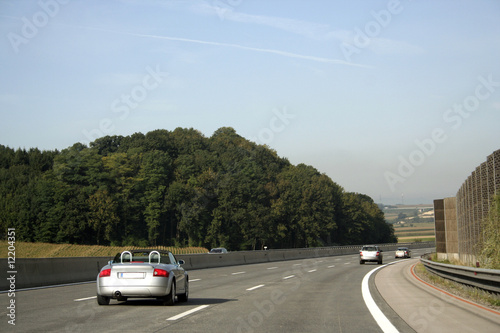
[(179, 188)]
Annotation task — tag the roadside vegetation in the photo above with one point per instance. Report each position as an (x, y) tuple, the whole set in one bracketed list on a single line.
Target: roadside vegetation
[(434, 257), (489, 248), (179, 188), (46, 250), (474, 294)]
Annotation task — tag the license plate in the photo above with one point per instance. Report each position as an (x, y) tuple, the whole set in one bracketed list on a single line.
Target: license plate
[(130, 275)]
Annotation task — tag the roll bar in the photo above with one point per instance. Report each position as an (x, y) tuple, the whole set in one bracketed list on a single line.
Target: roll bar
[(152, 253), (125, 252)]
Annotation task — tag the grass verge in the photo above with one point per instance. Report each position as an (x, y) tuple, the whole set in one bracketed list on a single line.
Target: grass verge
[(46, 250)]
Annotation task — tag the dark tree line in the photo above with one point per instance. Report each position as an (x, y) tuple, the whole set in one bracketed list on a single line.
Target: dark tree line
[(179, 188)]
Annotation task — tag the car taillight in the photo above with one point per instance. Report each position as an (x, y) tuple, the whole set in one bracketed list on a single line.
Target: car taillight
[(106, 272), (160, 272), (378, 253)]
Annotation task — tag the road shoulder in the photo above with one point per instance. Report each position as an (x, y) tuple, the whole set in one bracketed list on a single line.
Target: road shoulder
[(426, 309)]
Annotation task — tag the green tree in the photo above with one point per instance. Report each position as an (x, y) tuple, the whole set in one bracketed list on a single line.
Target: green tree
[(102, 215), (178, 194), (305, 206), (362, 221), (195, 212), (155, 172), (107, 145)]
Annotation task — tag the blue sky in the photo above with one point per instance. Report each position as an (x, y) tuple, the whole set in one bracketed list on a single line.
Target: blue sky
[(391, 99)]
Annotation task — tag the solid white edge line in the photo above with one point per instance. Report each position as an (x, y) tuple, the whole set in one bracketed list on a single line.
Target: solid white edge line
[(201, 307), (84, 299), (377, 314), (256, 287)]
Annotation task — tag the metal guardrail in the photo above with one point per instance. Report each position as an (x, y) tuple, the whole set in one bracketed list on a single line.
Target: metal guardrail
[(487, 279)]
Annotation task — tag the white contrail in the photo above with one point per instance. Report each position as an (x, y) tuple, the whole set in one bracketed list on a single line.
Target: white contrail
[(238, 46), (282, 53)]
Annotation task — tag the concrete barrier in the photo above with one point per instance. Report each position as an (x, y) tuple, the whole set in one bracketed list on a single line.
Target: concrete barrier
[(30, 273), (38, 272)]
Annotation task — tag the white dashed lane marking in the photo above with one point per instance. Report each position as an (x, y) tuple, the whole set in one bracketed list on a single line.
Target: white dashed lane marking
[(187, 313), (256, 287), (84, 299)]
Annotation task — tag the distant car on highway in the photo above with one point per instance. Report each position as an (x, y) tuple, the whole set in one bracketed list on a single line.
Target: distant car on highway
[(143, 274), (402, 252), (218, 250), (370, 253)]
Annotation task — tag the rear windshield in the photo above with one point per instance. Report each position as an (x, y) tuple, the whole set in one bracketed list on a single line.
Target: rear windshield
[(369, 248)]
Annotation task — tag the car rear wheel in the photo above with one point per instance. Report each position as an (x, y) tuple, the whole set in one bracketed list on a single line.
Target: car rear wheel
[(361, 262), (102, 300), (380, 262), (184, 297), (170, 298)]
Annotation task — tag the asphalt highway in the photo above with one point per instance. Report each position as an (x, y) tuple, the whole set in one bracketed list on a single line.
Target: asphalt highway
[(313, 295)]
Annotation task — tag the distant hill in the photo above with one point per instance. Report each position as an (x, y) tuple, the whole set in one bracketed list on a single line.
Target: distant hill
[(179, 188)]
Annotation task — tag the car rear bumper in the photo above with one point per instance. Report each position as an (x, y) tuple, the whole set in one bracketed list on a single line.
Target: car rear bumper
[(135, 291), (370, 258)]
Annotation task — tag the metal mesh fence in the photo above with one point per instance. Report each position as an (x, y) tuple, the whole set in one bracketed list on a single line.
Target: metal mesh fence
[(473, 201)]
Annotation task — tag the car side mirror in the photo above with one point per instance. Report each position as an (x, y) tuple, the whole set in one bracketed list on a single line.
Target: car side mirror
[(181, 262)]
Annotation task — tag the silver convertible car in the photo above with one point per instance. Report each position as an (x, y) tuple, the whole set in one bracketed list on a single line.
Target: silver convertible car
[(143, 274)]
